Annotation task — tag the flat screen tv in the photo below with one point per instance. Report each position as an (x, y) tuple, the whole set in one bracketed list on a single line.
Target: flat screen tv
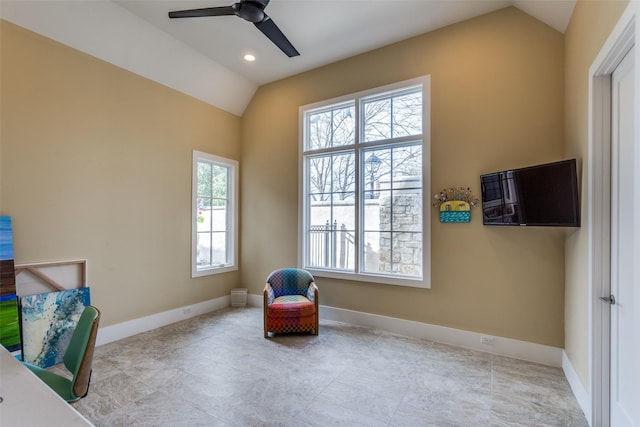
[(543, 195)]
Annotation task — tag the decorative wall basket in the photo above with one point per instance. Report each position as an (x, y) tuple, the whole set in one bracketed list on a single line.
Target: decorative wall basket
[(455, 211), (455, 204)]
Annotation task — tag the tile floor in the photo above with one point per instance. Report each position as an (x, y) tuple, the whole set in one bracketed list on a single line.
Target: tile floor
[(218, 370)]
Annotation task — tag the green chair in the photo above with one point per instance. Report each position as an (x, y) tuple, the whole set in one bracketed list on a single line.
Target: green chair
[(77, 359)]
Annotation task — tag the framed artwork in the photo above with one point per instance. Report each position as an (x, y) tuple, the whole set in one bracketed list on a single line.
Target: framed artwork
[(48, 321)]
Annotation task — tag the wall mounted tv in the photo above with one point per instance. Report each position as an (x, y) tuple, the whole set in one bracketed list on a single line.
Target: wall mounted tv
[(543, 195)]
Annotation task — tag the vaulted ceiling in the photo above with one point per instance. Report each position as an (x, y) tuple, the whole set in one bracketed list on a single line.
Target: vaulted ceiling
[(203, 57)]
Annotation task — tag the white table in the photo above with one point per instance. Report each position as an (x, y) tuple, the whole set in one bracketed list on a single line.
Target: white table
[(28, 402)]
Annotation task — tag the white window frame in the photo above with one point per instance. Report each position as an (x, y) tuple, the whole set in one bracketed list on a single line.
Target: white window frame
[(232, 214), (418, 282)]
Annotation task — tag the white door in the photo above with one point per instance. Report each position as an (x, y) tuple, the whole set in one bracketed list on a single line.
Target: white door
[(625, 350)]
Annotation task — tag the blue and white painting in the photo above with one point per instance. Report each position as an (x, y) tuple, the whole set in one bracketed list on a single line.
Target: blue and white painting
[(48, 322)]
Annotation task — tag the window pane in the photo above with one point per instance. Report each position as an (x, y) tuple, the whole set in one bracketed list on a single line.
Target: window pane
[(319, 213), (338, 209), (377, 120), (318, 181), (371, 215), (401, 253), (407, 253), (376, 172), (407, 167), (203, 219), (319, 130), (204, 179), (218, 248), (372, 260), (345, 248), (392, 116), (219, 218), (407, 115), (204, 249), (407, 162), (319, 245), (344, 210), (400, 210), (331, 128), (331, 245), (330, 239), (331, 211), (384, 254), (332, 174), (343, 173), (407, 210), (344, 126), (219, 182)]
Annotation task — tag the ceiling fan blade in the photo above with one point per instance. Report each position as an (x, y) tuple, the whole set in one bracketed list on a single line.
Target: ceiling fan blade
[(207, 11), (271, 30)]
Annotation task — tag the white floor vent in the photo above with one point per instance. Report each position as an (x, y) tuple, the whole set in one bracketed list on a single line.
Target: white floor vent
[(238, 297)]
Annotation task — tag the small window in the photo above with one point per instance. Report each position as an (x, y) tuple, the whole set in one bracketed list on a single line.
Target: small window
[(214, 215)]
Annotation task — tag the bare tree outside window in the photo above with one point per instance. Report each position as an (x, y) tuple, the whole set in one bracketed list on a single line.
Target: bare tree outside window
[(386, 118), (393, 117), (331, 128)]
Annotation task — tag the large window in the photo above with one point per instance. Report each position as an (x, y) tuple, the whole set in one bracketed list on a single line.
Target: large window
[(365, 173), (214, 214)]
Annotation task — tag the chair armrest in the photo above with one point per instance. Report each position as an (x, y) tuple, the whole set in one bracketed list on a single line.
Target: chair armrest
[(268, 294), (312, 293)]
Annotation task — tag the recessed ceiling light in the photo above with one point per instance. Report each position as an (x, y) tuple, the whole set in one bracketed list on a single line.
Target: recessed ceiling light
[(249, 57)]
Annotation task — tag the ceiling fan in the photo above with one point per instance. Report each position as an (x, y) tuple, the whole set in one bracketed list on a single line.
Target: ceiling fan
[(249, 10)]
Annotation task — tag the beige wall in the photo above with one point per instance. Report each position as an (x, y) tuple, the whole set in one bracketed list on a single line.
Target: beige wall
[(497, 102), (96, 164), (590, 25)]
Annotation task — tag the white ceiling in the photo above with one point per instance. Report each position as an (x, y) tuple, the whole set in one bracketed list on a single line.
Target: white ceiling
[(203, 56), (323, 31)]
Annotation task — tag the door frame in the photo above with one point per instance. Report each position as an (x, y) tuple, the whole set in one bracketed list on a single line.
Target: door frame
[(623, 37)]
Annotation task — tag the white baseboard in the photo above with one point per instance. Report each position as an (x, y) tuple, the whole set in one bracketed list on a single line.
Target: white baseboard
[(255, 300), (538, 353), (523, 350), (579, 391), (122, 330), (497, 345)]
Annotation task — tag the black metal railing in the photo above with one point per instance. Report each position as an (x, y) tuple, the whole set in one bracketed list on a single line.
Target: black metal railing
[(329, 246)]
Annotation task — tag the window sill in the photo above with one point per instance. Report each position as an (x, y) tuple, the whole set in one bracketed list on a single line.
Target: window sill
[(417, 282), (213, 270)]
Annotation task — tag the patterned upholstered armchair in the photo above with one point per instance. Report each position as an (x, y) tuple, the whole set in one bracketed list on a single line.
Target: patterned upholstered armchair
[(290, 302)]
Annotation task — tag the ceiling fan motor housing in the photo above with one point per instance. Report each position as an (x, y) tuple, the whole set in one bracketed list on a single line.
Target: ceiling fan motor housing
[(250, 11)]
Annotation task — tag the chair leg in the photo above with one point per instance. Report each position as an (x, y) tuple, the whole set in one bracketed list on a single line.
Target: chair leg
[(88, 384)]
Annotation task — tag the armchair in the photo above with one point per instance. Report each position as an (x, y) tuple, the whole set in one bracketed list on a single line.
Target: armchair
[(290, 302)]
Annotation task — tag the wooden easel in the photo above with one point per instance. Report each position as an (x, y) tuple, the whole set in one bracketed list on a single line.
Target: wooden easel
[(35, 269)]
